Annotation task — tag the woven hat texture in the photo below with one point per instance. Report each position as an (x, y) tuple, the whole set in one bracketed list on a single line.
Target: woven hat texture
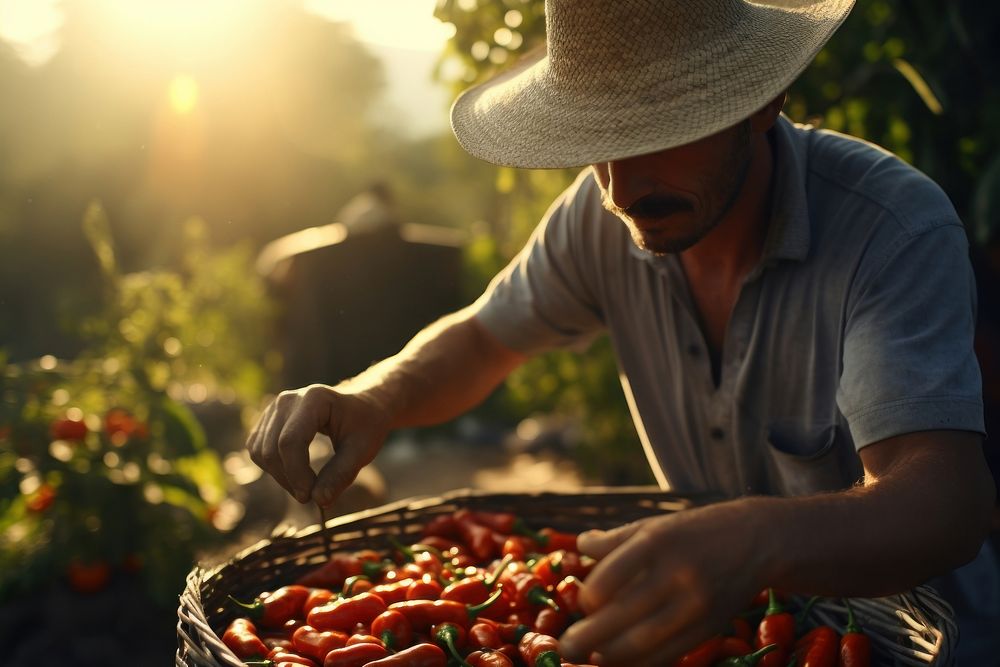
[(620, 78)]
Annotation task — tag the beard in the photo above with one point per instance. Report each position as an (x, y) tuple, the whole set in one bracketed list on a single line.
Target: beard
[(647, 218)]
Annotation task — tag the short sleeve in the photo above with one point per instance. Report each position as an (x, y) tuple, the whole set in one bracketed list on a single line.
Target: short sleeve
[(545, 298), (908, 359)]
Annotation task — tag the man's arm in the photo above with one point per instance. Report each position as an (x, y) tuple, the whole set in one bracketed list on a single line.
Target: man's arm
[(446, 369), (664, 584)]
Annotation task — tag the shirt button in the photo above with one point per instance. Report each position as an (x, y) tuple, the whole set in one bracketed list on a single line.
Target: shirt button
[(717, 433)]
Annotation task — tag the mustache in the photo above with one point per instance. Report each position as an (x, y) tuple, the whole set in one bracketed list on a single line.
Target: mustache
[(650, 206)]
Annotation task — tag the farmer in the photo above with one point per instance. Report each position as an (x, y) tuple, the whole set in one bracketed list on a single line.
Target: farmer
[(792, 312)]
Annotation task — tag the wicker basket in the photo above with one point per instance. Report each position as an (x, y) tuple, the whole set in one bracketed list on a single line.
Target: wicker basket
[(916, 628)]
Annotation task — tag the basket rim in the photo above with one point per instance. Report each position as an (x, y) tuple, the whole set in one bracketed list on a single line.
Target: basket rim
[(899, 613)]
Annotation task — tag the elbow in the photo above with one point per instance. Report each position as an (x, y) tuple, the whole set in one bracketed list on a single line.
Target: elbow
[(974, 517)]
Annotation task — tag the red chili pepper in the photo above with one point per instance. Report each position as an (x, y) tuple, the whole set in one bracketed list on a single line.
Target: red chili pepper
[(317, 598), (335, 571), (704, 654), (241, 638), (472, 590), (529, 590), (734, 646), (424, 614), (539, 650), (355, 655), (393, 628), (553, 540), (443, 544), (315, 644), (488, 658), (855, 647), (551, 622), (479, 539), (425, 588), (394, 591), (519, 547), (346, 613), (549, 568), (278, 657), (484, 635), (359, 583), (817, 648), (362, 638), (443, 525), (568, 596), (277, 608), (277, 643), (513, 632), (777, 627), (419, 655)]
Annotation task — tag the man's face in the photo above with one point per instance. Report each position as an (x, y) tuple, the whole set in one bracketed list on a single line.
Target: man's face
[(672, 199)]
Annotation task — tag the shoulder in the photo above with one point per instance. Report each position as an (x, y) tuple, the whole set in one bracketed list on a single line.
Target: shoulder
[(868, 182)]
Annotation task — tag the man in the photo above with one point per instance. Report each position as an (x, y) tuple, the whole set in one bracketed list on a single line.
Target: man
[(792, 311)]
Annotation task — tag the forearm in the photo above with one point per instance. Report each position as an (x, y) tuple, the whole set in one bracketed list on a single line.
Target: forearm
[(445, 370), (919, 519)]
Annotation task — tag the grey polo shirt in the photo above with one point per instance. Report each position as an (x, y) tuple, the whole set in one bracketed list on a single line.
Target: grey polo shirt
[(855, 326)]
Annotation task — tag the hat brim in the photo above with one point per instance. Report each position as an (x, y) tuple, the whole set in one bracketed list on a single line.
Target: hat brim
[(523, 119)]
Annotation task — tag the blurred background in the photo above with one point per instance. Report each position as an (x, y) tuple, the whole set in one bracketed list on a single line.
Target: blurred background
[(203, 202)]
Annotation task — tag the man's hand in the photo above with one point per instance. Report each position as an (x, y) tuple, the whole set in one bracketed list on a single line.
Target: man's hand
[(279, 444), (664, 584)]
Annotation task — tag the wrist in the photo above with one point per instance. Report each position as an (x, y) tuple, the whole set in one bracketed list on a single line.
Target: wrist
[(771, 529)]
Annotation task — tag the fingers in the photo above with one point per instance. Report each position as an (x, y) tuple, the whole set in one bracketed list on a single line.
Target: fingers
[(293, 449), (599, 543), (641, 598), (350, 456), (616, 569), (279, 444)]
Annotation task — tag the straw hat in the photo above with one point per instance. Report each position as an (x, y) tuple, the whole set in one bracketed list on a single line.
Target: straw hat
[(627, 77)]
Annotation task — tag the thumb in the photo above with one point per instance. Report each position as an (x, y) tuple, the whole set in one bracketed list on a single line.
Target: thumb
[(599, 543)]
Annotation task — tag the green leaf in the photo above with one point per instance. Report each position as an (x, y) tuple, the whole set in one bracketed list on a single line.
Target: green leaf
[(182, 430), (921, 87)]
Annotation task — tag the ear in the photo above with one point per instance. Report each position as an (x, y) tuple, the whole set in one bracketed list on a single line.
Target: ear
[(764, 119)]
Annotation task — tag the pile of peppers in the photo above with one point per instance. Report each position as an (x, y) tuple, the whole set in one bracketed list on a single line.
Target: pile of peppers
[(476, 589), (770, 635)]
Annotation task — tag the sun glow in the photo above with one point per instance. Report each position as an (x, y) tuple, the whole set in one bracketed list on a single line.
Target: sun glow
[(183, 94), (403, 24)]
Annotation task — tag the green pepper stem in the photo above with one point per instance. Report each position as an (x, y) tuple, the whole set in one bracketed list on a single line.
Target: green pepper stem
[(402, 548), (491, 580), (388, 639), (773, 606), (801, 617), (748, 660), (476, 608), (537, 595), (521, 528), (548, 659), (254, 609), (446, 634), (349, 584), (852, 623)]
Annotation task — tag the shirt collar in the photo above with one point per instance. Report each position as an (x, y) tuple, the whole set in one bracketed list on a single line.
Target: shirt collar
[(788, 228)]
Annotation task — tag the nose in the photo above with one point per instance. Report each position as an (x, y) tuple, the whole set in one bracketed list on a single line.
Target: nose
[(624, 181)]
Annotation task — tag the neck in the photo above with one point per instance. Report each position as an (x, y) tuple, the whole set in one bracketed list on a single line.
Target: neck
[(735, 245)]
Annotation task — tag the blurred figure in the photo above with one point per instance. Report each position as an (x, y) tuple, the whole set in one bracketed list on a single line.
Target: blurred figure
[(354, 291)]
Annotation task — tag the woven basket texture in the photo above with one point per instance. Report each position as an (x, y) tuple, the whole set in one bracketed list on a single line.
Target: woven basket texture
[(915, 628)]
